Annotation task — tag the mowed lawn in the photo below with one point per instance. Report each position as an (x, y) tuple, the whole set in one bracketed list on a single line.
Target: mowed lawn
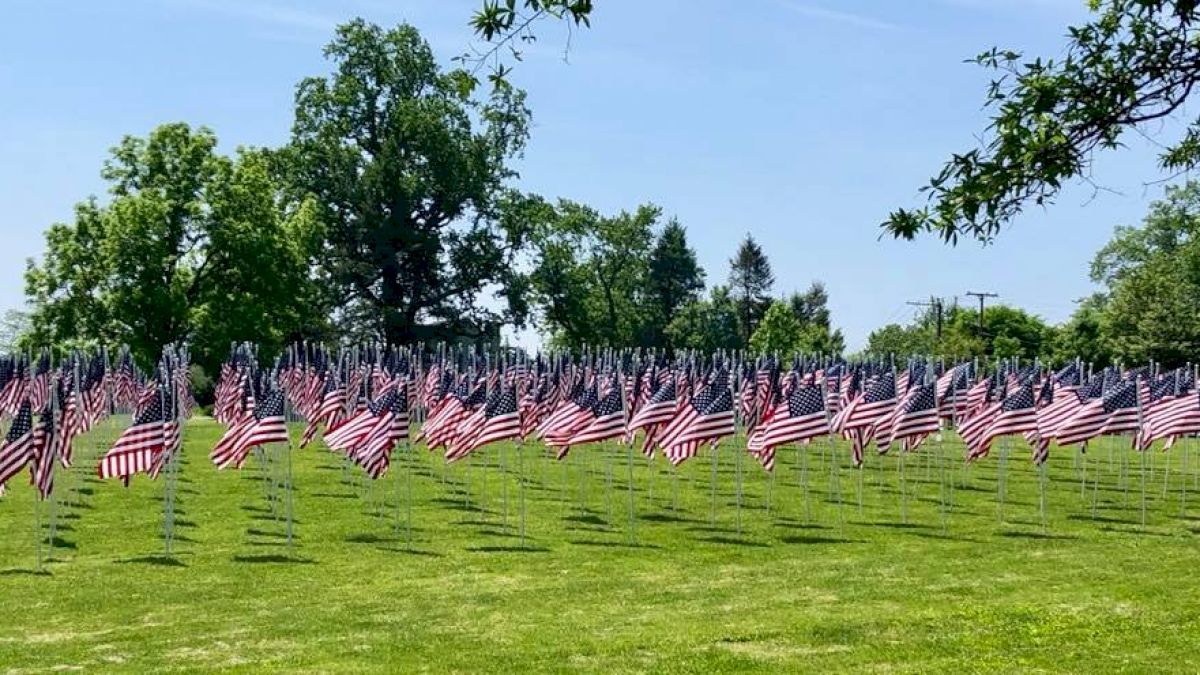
[(939, 580)]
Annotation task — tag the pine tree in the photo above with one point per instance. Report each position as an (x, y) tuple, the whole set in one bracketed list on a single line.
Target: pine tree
[(750, 281)]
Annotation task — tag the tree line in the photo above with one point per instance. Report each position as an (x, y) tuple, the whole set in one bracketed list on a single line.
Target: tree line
[(390, 215)]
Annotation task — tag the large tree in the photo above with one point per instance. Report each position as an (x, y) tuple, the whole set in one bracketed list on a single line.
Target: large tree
[(406, 169), (675, 278), (750, 282), (192, 246), (706, 325), (591, 274), (1135, 63), (1152, 275), (811, 309)]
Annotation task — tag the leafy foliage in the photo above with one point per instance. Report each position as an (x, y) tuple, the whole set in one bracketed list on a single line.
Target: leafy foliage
[(1135, 62), (509, 24), (405, 170), (192, 246), (706, 325), (1152, 274)]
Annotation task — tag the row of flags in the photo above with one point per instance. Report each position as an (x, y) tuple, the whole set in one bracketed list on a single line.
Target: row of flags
[(361, 399), (51, 405)]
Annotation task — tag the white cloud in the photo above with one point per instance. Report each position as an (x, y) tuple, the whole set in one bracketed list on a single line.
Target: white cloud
[(838, 15)]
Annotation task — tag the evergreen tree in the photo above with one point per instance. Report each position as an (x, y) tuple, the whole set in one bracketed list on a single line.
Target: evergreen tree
[(750, 282)]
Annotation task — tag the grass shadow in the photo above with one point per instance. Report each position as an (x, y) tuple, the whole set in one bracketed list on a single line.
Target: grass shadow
[(158, 559), (813, 539), (732, 541), (508, 549), (1023, 534), (272, 558), (667, 518), (611, 544)]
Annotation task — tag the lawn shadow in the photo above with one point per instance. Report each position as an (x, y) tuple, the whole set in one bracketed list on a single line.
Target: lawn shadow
[(667, 518), (1024, 534), (812, 539), (611, 544), (732, 541), (508, 549), (410, 551), (332, 495), (586, 519), (273, 558), (157, 559)]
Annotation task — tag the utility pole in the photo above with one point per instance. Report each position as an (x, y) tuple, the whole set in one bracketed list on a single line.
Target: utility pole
[(937, 306), (982, 297)]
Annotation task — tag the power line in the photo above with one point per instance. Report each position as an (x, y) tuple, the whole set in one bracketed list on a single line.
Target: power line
[(982, 297), (937, 305)]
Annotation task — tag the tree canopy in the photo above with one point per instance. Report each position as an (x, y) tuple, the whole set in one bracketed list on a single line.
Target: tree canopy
[(191, 246), (405, 169), (1136, 62)]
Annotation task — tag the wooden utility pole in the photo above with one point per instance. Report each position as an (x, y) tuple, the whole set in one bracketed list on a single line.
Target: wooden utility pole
[(938, 307), (982, 297)]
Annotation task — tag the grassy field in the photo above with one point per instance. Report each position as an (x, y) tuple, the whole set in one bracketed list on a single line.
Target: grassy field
[(934, 578)]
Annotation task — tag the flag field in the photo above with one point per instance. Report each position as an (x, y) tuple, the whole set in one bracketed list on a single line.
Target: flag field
[(941, 577)]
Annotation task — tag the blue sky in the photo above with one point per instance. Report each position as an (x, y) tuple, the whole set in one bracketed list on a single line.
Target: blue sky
[(802, 122)]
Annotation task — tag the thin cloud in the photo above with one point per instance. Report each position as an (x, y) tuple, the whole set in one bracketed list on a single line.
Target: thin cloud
[(838, 16), (277, 15)]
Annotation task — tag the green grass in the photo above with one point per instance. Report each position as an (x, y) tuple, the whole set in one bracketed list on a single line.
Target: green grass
[(821, 588)]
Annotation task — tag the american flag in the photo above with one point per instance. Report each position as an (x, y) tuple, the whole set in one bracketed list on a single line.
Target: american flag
[(575, 415), (17, 450), (500, 420), (608, 420), (265, 425), (45, 451), (1017, 415), (801, 415), (658, 410), (1179, 417), (1115, 412), (869, 407), (914, 419), (138, 446), (355, 430), (374, 451), (707, 417)]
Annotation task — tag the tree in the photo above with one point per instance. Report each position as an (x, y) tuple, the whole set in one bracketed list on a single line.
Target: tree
[(192, 246), (509, 24), (750, 281), (1136, 62), (1152, 278), (1083, 336), (406, 172), (591, 274), (811, 309), (1007, 332), (14, 330), (675, 278), (706, 325), (779, 331), (900, 340)]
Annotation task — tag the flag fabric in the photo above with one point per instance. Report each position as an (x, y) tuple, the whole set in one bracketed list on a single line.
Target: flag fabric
[(45, 453), (707, 417), (914, 419), (608, 420), (500, 420), (799, 416), (1017, 415), (1114, 412), (17, 450), (136, 450)]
